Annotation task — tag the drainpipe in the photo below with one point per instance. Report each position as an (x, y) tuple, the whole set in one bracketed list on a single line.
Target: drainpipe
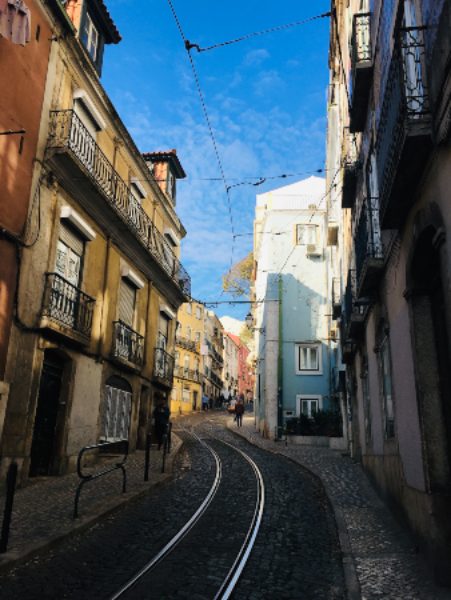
[(280, 367)]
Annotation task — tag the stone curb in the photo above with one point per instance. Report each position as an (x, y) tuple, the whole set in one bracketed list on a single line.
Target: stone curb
[(11, 559), (352, 584)]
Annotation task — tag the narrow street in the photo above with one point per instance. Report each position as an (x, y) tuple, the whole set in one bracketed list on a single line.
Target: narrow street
[(296, 553)]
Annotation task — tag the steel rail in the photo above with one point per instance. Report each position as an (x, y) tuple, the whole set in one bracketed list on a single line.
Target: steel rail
[(234, 574), (183, 531)]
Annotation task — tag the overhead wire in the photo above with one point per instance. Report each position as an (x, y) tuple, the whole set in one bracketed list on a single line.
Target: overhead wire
[(209, 126), (189, 46)]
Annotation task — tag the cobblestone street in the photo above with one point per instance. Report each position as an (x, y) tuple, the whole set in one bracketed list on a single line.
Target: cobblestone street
[(324, 534)]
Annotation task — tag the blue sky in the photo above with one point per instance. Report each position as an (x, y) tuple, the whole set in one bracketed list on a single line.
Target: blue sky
[(266, 98)]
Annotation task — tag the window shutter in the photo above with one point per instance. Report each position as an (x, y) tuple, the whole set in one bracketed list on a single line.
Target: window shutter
[(127, 294), (71, 239)]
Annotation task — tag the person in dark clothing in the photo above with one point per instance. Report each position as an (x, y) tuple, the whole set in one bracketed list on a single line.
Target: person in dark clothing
[(239, 410), (161, 416)]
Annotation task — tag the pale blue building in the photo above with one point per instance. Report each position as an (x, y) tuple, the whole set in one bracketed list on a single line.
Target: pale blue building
[(295, 346)]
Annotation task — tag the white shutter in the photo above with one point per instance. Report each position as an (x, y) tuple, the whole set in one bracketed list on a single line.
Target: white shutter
[(71, 239), (116, 414), (127, 295)]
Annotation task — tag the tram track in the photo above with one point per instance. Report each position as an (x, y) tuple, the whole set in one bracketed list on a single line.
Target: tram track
[(238, 561)]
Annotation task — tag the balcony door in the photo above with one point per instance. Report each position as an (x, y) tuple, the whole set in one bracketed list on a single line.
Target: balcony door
[(68, 266)]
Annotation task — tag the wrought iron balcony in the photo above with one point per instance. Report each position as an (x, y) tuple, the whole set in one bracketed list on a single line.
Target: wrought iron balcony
[(69, 136), (350, 168), (163, 371), (354, 314), (404, 141), (128, 345), (186, 343), (336, 297), (369, 255), (362, 70), (188, 374), (67, 307)]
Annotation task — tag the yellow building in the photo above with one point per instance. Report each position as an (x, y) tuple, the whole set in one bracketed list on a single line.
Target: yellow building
[(92, 349), (187, 390)]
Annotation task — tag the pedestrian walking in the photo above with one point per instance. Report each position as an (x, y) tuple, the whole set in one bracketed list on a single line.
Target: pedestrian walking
[(205, 402), (161, 416), (239, 410)]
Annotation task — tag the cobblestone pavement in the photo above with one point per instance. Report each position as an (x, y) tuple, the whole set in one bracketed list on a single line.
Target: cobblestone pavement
[(43, 509), (296, 554), (379, 555)]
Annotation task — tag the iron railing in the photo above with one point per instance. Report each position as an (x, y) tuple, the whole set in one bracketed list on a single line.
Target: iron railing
[(350, 166), (163, 366), (68, 131), (67, 305), (367, 238), (127, 344), (186, 373), (405, 102), (186, 343)]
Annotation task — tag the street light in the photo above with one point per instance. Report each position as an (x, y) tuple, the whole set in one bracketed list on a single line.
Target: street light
[(249, 320)]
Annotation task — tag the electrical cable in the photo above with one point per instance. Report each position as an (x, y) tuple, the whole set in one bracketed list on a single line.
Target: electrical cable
[(189, 46)]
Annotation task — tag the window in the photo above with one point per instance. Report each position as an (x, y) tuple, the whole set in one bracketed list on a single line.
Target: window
[(127, 300), (308, 405), (186, 395), (308, 359), (170, 185), (186, 365), (90, 37), (116, 410), (163, 332), (197, 337), (306, 234), (69, 255), (198, 312), (189, 309), (386, 385), (188, 333)]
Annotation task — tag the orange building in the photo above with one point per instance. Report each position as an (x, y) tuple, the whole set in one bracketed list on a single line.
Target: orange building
[(246, 377), (25, 46)]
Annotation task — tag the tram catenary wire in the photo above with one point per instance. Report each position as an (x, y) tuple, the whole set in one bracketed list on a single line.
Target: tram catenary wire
[(242, 556)]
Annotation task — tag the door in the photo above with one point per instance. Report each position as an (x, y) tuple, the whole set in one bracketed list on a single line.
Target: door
[(43, 447), (195, 394)]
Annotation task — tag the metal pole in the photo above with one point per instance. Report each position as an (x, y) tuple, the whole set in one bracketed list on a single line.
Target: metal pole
[(10, 489), (169, 437), (147, 457)]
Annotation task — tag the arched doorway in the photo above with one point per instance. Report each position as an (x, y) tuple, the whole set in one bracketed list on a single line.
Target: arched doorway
[(49, 417), (428, 307)]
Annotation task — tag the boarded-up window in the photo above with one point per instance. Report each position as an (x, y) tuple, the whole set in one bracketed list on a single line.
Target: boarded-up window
[(127, 298), (69, 253), (116, 414), (163, 331)]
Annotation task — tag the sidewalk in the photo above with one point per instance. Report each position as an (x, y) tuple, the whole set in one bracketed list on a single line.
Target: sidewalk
[(379, 556), (42, 511)]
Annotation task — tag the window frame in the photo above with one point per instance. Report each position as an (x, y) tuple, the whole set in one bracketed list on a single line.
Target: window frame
[(300, 398), (308, 227), (297, 358), (388, 401)]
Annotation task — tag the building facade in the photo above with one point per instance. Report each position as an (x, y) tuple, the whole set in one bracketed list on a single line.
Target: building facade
[(92, 348), (246, 379), (212, 352), (186, 394), (23, 72), (389, 132), (292, 344), (230, 367)]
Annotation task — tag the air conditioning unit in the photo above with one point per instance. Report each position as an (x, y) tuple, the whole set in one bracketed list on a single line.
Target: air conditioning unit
[(314, 250), (333, 334)]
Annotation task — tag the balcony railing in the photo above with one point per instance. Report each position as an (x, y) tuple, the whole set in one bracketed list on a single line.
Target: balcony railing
[(336, 297), (353, 317), (67, 305), (403, 139), (128, 345), (350, 167), (163, 370), (188, 374), (362, 70), (68, 132), (186, 343), (368, 247)]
